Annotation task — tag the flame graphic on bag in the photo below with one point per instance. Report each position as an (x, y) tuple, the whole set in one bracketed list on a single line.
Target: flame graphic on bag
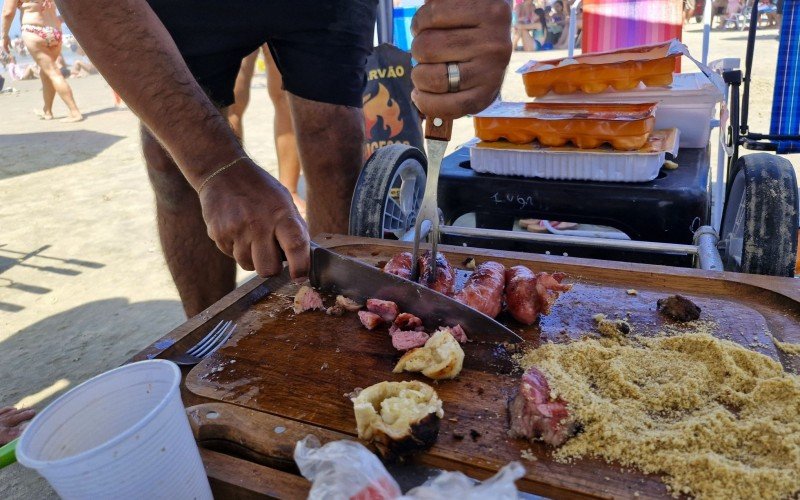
[(382, 115)]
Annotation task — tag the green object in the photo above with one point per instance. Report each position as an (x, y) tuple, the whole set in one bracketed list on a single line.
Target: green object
[(8, 453)]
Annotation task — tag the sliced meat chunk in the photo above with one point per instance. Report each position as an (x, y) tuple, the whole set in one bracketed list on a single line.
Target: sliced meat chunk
[(407, 321), (399, 265), (369, 320), (445, 279), (458, 333), (405, 340), (307, 299), (534, 415), (348, 304), (483, 290), (386, 309)]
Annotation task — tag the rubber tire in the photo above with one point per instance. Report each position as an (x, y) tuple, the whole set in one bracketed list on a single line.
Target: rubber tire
[(770, 216), (372, 188)]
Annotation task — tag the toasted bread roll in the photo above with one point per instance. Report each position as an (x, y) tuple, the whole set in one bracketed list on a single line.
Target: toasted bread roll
[(398, 417), (441, 357)]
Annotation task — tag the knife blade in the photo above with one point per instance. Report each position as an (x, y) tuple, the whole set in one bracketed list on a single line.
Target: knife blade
[(359, 281)]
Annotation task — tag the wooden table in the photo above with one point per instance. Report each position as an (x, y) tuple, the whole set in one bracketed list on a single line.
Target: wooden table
[(284, 376)]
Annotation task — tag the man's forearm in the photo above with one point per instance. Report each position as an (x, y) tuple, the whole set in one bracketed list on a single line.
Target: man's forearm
[(134, 52)]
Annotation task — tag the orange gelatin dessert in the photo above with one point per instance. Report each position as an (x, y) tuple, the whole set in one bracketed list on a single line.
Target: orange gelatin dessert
[(593, 73), (625, 126)]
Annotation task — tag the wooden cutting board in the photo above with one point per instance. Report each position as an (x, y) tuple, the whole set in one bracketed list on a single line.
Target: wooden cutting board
[(302, 367)]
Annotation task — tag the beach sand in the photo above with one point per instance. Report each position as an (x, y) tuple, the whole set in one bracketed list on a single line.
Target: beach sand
[(83, 284)]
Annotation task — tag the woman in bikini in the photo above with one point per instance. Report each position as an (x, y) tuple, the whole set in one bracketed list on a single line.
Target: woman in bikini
[(41, 32)]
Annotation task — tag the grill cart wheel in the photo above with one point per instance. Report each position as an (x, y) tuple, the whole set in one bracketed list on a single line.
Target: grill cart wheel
[(388, 193), (759, 223)]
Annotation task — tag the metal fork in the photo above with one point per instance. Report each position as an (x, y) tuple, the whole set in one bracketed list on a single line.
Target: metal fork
[(437, 135), (207, 345)]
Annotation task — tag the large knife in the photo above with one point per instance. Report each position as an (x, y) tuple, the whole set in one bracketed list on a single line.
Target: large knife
[(359, 281)]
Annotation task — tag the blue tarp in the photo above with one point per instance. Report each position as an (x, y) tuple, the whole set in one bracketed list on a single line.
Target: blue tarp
[(786, 98)]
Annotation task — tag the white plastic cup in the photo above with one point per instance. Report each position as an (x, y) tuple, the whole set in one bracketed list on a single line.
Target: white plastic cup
[(122, 434)]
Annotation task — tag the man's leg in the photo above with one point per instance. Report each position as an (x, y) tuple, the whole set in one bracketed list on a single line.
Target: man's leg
[(202, 273), (285, 139), (330, 139), (241, 92)]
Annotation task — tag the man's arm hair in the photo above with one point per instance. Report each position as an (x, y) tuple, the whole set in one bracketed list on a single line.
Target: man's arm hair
[(132, 49)]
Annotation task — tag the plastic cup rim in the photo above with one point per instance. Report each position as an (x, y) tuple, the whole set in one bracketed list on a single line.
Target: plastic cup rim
[(37, 464)]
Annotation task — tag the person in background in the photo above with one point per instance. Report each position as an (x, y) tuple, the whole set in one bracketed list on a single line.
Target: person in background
[(12, 423), (62, 66), (18, 71), (732, 10), (41, 32), (718, 8), (688, 10), (82, 66), (285, 139), (558, 23), (19, 46), (540, 30), (523, 13), (767, 8), (531, 27)]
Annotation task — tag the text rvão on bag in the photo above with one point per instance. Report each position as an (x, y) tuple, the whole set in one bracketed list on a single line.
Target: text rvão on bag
[(390, 72)]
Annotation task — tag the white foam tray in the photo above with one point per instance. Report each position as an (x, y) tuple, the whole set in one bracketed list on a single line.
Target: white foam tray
[(603, 165)]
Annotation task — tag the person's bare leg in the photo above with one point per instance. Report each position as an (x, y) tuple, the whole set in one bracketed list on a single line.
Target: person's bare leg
[(202, 273), (330, 139), (241, 95), (528, 44), (49, 94), (285, 139), (45, 57)]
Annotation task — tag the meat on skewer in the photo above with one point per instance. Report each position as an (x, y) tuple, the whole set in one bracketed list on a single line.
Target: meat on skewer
[(445, 279), (399, 265), (483, 290)]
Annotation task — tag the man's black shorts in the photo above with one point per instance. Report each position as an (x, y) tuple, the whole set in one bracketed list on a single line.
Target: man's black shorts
[(319, 46)]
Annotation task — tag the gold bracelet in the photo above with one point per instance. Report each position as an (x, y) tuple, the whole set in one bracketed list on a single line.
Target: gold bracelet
[(219, 171)]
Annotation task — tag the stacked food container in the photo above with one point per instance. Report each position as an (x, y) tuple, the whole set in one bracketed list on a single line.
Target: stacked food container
[(603, 117)]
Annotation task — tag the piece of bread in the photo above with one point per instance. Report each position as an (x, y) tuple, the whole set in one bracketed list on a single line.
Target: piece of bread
[(440, 358), (398, 417)]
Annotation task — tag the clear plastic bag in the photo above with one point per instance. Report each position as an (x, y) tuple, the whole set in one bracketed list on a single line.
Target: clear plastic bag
[(348, 470)]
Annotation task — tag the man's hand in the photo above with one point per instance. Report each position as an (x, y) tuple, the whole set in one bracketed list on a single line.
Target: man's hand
[(250, 217), (472, 33), (6, 44), (12, 423)]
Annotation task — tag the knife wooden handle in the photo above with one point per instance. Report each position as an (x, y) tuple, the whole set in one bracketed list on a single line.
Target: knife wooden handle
[(438, 129), (265, 438)]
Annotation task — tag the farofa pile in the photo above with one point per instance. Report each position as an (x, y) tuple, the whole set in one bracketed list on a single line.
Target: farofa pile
[(718, 420)]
